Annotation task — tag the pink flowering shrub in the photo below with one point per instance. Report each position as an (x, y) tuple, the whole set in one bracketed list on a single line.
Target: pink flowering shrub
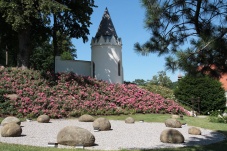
[(73, 95)]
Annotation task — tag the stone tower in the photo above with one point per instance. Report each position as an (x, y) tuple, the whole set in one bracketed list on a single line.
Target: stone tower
[(106, 52)]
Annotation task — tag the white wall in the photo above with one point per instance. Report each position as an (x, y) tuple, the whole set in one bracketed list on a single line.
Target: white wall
[(76, 66), (106, 53)]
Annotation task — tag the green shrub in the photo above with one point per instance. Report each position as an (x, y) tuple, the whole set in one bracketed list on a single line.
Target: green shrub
[(66, 56), (163, 91), (209, 91), (216, 117)]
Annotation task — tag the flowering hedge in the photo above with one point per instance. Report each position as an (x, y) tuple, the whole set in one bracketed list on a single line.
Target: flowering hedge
[(73, 95)]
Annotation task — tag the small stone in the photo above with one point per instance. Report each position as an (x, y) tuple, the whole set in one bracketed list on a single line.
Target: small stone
[(86, 118), (102, 124), (129, 120), (173, 123), (194, 131), (174, 116), (43, 119)]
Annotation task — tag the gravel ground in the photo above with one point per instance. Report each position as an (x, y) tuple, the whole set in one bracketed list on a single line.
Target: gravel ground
[(122, 136)]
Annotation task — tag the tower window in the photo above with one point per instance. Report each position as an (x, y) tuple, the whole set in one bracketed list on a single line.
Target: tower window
[(93, 69), (119, 68)]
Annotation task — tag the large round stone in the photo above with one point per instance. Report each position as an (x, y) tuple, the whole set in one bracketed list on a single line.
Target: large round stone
[(43, 119), (102, 124), (10, 119), (86, 118), (171, 136), (11, 130), (173, 123), (73, 136), (129, 120), (194, 131)]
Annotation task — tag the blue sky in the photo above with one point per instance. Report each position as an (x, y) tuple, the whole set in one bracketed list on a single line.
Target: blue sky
[(128, 19)]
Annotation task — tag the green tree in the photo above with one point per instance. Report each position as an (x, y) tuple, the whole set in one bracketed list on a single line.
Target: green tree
[(65, 46), (139, 82), (8, 42), (200, 24), (161, 79), (42, 57), (70, 17), (209, 91)]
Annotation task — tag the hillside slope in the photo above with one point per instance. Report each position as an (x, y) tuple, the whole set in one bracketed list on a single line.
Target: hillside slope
[(73, 95)]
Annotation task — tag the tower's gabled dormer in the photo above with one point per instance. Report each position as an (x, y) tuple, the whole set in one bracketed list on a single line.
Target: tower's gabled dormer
[(106, 54)]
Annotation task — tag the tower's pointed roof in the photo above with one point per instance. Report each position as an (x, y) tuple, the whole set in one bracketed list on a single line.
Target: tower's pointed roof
[(106, 27)]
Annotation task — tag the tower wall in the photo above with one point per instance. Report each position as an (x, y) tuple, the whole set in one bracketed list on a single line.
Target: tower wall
[(106, 59)]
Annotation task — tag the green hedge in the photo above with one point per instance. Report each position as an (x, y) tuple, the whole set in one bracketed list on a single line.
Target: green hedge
[(209, 90)]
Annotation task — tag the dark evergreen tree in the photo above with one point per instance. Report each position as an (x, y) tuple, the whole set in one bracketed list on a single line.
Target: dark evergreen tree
[(200, 24), (208, 90)]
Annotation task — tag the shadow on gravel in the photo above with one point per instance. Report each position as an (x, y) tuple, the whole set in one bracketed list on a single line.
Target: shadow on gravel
[(217, 143)]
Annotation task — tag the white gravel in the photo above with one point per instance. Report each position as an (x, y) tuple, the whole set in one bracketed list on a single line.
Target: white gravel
[(122, 136)]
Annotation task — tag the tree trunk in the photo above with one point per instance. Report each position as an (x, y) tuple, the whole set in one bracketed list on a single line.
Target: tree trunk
[(24, 48)]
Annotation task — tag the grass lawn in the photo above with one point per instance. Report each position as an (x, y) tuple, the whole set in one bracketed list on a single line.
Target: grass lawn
[(195, 121)]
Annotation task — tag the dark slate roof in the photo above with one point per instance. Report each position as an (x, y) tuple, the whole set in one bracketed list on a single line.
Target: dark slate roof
[(106, 27)]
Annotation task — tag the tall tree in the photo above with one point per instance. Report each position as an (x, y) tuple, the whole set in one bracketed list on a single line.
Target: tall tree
[(23, 15), (161, 79), (199, 24), (8, 42)]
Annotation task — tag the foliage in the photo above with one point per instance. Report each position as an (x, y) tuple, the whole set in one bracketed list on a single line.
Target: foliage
[(161, 79), (65, 47), (42, 58), (163, 91), (66, 56), (209, 91), (7, 38), (159, 84), (26, 17), (201, 24), (217, 117), (74, 95), (139, 82), (5, 104)]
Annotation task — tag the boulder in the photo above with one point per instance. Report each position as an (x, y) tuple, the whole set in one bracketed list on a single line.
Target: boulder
[(171, 136), (86, 118), (102, 124), (12, 96), (10, 119), (43, 119), (129, 120), (73, 136), (11, 130), (173, 123), (194, 131), (174, 116)]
